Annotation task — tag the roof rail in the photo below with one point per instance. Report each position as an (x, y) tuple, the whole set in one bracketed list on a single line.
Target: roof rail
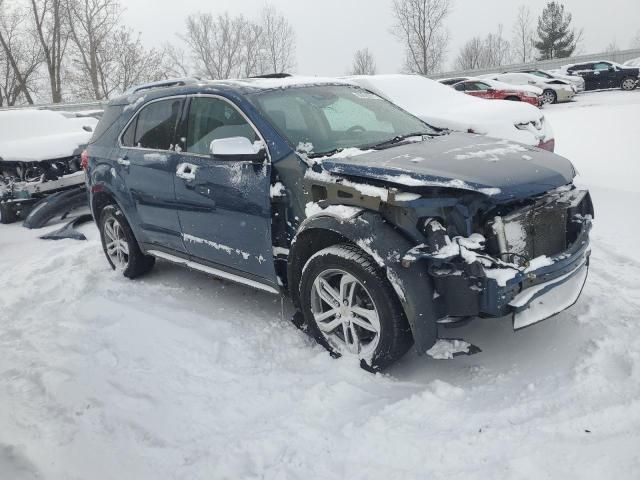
[(273, 75), (171, 82)]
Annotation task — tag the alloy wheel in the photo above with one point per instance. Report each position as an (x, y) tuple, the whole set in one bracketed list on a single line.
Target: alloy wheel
[(345, 313), (628, 84), (548, 97), (116, 243)]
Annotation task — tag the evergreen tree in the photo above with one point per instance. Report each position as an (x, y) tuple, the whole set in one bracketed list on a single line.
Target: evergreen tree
[(557, 39)]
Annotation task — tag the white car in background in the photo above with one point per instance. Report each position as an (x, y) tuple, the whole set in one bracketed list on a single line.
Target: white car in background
[(553, 91), (444, 107), (634, 62), (550, 76)]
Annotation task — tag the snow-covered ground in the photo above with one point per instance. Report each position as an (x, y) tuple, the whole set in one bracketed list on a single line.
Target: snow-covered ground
[(179, 375)]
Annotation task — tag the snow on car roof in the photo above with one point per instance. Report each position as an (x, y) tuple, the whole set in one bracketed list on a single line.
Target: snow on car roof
[(35, 135)]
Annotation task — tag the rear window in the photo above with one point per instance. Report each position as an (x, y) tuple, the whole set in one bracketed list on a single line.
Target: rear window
[(109, 117)]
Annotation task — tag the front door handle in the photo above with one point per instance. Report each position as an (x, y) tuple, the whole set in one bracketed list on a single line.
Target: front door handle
[(186, 171)]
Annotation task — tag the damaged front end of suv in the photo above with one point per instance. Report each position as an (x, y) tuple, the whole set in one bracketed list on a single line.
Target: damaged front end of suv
[(512, 238)]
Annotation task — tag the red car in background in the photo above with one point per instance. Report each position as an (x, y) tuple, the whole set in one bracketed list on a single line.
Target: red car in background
[(498, 91)]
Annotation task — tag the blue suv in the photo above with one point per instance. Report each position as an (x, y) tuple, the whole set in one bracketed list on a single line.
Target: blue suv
[(379, 226)]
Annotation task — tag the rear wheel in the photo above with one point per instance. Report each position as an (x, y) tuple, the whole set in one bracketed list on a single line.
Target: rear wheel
[(628, 84), (351, 309), (120, 246), (549, 96)]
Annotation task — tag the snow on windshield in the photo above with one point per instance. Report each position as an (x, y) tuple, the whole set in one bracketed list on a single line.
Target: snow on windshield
[(444, 107), (34, 135)]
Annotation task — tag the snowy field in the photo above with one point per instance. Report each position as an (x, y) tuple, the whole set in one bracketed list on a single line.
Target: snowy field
[(182, 376)]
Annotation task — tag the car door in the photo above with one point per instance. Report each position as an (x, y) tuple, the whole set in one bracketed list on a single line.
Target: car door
[(224, 205), (147, 167), (591, 77), (479, 89), (604, 76)]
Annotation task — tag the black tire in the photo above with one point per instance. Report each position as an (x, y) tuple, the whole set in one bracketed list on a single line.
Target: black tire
[(628, 83), (394, 338), (7, 214), (552, 95), (137, 263), (513, 99)]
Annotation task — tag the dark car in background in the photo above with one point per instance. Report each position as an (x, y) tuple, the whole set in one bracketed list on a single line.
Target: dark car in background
[(377, 225), (605, 75)]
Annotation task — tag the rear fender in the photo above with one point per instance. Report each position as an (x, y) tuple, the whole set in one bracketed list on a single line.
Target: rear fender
[(106, 185), (385, 244)]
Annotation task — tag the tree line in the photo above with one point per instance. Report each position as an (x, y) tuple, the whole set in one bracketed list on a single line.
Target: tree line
[(72, 50), (77, 50)]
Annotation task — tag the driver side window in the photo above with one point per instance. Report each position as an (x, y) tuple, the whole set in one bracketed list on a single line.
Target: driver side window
[(601, 66), (213, 119)]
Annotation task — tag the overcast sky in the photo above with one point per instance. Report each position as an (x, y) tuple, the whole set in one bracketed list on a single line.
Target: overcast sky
[(330, 31)]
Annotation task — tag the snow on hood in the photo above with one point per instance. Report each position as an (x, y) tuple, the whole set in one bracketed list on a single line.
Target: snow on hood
[(34, 135), (500, 169), (444, 107)]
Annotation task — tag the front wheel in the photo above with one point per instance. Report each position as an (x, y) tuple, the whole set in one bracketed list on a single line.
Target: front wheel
[(628, 84), (120, 246), (351, 309)]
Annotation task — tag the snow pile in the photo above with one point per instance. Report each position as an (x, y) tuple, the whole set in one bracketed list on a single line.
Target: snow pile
[(33, 135), (444, 107)]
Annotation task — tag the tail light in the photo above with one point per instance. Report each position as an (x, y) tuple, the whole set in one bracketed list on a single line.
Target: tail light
[(84, 160)]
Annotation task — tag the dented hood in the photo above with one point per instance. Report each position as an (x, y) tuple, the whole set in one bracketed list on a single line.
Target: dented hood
[(501, 169)]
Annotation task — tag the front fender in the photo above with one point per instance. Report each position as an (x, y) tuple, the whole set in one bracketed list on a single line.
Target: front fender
[(385, 244)]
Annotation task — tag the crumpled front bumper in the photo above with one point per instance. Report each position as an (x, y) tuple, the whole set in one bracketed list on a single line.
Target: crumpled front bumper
[(530, 296)]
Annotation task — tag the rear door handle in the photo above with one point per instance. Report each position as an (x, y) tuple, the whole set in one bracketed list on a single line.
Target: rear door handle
[(186, 171)]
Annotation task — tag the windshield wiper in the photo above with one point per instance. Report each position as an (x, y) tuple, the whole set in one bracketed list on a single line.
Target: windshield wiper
[(399, 138), (324, 154)]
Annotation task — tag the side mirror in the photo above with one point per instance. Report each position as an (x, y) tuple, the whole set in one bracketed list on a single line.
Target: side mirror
[(491, 90), (612, 68), (238, 149)]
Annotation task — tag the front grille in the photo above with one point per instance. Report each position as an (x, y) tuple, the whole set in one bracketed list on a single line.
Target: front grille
[(544, 228)]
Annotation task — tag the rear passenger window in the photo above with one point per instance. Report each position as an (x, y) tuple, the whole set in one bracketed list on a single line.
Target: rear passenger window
[(155, 126), (213, 119), (460, 87)]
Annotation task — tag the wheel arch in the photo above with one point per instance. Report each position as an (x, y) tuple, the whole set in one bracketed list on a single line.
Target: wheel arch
[(380, 240)]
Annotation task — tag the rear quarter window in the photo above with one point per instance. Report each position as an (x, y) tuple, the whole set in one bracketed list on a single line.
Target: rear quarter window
[(109, 117)]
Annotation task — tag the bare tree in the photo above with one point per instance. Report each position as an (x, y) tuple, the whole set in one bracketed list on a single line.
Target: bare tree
[(253, 56), (496, 48), (92, 24), (612, 47), (492, 51), (51, 31), (363, 63), (216, 44), (472, 55), (420, 26), (175, 63), (278, 41), (20, 57), (524, 36)]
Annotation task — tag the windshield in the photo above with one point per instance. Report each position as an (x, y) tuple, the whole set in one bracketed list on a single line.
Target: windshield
[(323, 119)]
